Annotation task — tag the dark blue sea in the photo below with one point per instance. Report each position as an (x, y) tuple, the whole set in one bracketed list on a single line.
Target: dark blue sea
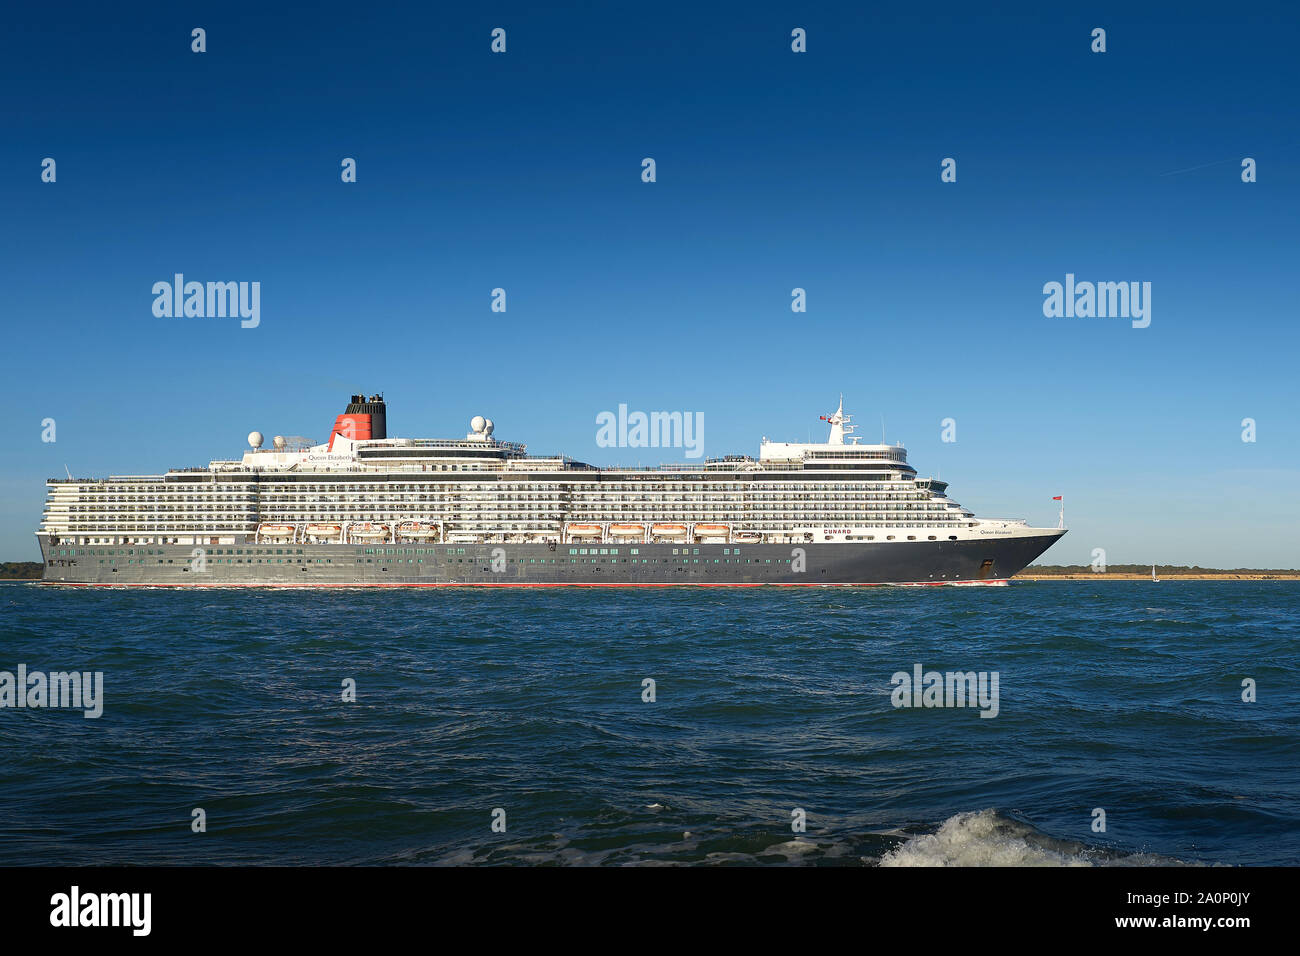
[(526, 707)]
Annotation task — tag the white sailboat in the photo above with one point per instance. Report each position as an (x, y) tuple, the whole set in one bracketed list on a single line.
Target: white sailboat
[(1153, 573)]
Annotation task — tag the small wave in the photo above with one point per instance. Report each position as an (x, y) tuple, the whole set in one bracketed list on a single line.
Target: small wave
[(792, 849), (988, 838)]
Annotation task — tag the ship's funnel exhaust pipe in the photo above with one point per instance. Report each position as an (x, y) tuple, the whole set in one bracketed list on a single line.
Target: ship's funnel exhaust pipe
[(365, 418)]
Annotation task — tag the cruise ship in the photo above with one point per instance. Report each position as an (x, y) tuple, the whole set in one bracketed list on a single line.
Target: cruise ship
[(366, 510)]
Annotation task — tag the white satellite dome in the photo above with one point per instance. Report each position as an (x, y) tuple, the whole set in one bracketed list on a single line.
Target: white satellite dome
[(488, 426), (477, 424), (279, 442), (255, 439)]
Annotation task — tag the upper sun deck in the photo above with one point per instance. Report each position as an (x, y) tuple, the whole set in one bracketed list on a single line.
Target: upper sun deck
[(354, 448), (804, 451), (835, 448), (398, 448)]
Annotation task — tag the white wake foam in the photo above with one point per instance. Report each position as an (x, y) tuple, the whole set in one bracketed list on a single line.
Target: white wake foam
[(987, 838)]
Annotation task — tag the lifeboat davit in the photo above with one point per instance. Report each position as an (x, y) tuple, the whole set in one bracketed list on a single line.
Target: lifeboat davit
[(322, 530), (275, 530), (712, 530), (627, 531), (668, 530), (365, 529), (417, 529), (585, 531)]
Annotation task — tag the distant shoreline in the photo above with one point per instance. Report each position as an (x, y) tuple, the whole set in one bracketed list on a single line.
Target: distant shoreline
[(1098, 576), (31, 571)]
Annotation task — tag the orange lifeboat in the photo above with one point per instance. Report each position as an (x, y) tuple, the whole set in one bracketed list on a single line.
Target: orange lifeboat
[(668, 530), (585, 531), (746, 537), (365, 529), (627, 531), (275, 530), (417, 529), (322, 530), (712, 530)]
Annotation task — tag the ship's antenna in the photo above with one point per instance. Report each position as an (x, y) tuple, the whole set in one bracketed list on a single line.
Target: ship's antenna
[(882, 429)]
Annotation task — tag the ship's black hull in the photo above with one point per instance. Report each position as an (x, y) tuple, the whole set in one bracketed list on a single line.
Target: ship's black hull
[(413, 564)]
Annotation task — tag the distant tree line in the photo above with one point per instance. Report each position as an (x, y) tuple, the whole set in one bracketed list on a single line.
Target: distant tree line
[(1146, 569), (20, 569)]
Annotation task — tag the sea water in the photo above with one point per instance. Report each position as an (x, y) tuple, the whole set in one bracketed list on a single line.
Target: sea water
[(1135, 723)]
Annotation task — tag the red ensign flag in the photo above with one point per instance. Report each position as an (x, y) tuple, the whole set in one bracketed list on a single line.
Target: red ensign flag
[(1056, 497)]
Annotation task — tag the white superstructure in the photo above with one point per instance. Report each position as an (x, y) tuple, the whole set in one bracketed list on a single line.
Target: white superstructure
[(480, 489)]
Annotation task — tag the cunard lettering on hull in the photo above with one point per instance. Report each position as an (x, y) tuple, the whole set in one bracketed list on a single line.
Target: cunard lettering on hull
[(363, 509)]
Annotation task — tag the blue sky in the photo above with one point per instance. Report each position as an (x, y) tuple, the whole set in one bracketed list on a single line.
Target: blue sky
[(775, 170)]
